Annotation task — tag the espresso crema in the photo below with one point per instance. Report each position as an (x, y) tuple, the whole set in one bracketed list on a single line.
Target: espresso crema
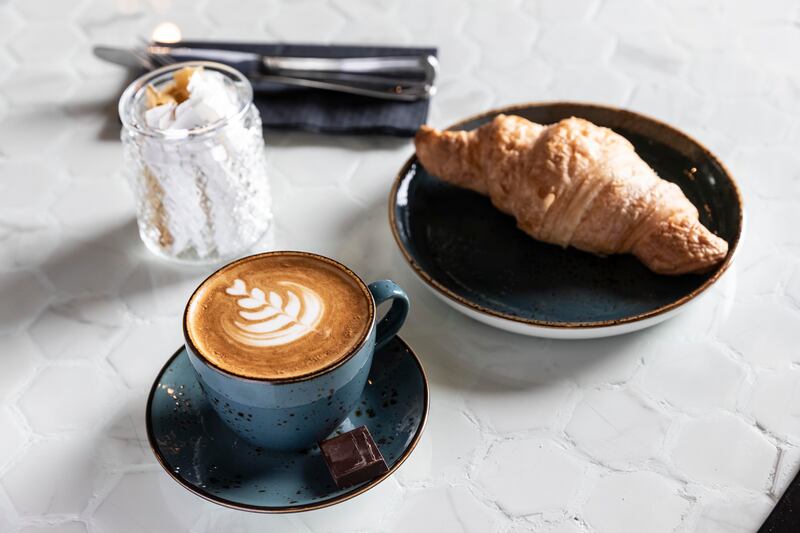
[(279, 315)]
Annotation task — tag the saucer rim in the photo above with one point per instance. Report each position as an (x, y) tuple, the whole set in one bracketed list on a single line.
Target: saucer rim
[(537, 327), (288, 508)]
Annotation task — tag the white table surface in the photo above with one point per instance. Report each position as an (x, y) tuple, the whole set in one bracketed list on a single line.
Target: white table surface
[(693, 425)]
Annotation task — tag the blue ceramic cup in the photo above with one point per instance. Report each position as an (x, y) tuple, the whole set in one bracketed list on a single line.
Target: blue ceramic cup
[(297, 413)]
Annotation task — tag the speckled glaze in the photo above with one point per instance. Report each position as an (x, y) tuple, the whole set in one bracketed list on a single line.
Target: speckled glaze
[(204, 455), (476, 259), (297, 413)]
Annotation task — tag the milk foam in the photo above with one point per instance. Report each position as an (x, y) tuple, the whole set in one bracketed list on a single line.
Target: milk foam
[(272, 319)]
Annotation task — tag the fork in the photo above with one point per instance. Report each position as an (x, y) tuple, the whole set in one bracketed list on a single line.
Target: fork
[(396, 78)]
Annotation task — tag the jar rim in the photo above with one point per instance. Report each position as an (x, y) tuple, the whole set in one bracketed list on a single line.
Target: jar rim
[(127, 108)]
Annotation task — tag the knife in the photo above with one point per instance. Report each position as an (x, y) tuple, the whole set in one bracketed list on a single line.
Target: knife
[(393, 77)]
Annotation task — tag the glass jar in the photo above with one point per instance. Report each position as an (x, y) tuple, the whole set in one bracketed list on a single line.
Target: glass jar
[(202, 194)]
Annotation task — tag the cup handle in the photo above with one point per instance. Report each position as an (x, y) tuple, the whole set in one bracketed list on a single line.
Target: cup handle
[(392, 321)]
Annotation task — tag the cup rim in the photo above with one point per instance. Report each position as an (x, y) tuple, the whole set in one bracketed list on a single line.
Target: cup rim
[(194, 350)]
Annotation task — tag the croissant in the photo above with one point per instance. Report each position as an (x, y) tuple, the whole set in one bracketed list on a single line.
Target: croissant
[(573, 183)]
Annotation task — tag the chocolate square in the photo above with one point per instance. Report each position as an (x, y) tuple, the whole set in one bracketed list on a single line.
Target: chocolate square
[(353, 457)]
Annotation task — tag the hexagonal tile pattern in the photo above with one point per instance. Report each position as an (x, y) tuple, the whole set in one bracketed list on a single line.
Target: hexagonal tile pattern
[(7, 64), (688, 426), (727, 75), (760, 123), (305, 22), (38, 85), (447, 447), (545, 476), (19, 362), (5, 522), (602, 361), (786, 470), (111, 202), (231, 520), (43, 9), (79, 267), (742, 517), (443, 509), (722, 450), (623, 16), (648, 54), (242, 17), (90, 394), (27, 250), (144, 349), (755, 332), (461, 98), (672, 101), (111, 22), (376, 31), (31, 133), (156, 289), (782, 165), (679, 374), (504, 33), (571, 11), (535, 77), (505, 405), (773, 222), (784, 38), (62, 41), (51, 477), (11, 438), (775, 393), (431, 22), (623, 503), (98, 309), (590, 83), (793, 287), (357, 515), (617, 427), (61, 334), (24, 296), (148, 501), (575, 43), (761, 274), (10, 20), (107, 163), (28, 183), (61, 527), (293, 159)]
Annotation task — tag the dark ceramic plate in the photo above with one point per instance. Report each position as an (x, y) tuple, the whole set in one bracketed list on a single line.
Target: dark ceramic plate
[(196, 448), (476, 259)]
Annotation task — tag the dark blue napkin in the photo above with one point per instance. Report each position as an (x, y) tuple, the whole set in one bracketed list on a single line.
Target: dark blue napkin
[(320, 111)]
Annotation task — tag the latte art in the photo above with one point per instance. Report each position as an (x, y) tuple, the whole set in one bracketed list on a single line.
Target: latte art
[(279, 315), (272, 320)]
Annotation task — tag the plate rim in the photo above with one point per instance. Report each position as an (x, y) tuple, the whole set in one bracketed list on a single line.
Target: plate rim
[(266, 509), (535, 323)]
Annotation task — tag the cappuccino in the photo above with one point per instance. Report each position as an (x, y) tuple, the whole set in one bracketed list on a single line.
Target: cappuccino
[(281, 315)]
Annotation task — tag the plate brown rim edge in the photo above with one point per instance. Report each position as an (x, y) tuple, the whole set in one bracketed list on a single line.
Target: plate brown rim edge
[(264, 509), (444, 291)]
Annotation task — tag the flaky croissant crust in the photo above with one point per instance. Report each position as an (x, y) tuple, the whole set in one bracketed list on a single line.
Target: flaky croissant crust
[(573, 183)]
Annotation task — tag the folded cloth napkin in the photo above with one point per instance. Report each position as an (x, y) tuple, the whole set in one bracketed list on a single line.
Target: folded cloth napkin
[(323, 111)]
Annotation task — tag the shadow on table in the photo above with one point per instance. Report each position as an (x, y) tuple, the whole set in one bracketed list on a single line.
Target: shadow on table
[(102, 110), (114, 258), (461, 353)]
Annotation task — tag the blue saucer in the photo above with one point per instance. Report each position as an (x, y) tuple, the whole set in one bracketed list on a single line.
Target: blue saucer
[(196, 448)]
